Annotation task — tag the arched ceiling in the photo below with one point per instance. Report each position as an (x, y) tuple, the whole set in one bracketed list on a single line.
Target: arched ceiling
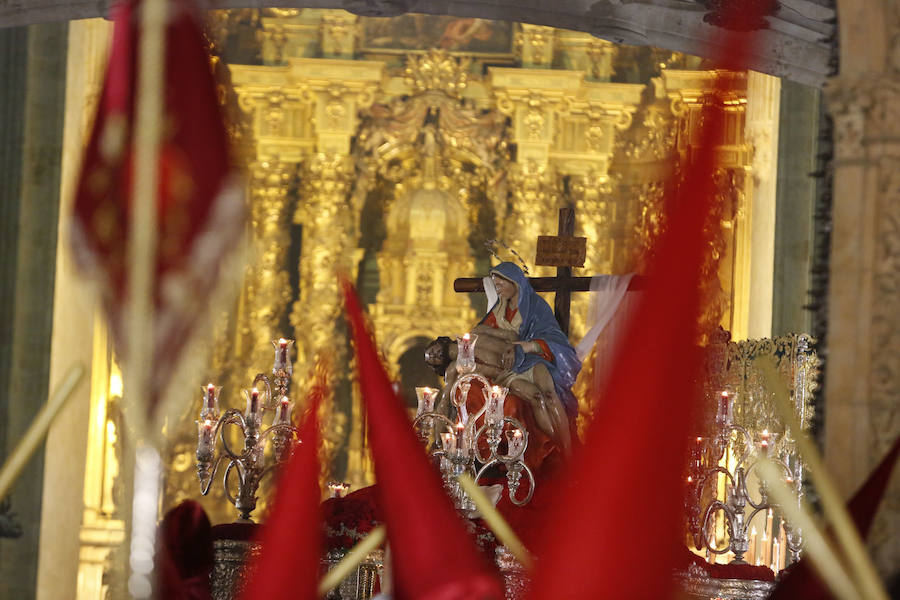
[(794, 46)]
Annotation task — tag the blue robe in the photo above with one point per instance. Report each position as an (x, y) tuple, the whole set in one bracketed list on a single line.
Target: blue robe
[(539, 323)]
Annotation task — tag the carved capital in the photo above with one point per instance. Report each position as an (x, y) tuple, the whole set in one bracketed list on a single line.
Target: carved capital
[(338, 34), (534, 45), (437, 70)]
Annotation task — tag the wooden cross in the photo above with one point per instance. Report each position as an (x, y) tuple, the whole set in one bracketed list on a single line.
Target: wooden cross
[(562, 251)]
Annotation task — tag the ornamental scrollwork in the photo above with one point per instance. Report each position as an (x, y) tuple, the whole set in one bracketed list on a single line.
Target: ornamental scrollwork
[(437, 70)]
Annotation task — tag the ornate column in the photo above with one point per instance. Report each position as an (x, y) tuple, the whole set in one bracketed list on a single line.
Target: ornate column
[(763, 105), (862, 413), (267, 291), (535, 45), (329, 240), (532, 97), (340, 88)]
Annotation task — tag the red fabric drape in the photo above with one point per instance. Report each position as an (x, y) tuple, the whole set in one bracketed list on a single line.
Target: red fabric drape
[(199, 214)]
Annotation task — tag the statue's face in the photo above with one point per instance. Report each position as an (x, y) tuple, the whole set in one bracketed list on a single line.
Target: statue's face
[(506, 289), (434, 355)]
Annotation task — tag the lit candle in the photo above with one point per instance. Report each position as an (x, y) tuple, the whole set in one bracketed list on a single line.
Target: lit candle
[(338, 489), (497, 398), (283, 410), (211, 397), (461, 440), (426, 397), (204, 435), (210, 406), (253, 403), (764, 442), (448, 441), (283, 356), (723, 412), (767, 537), (515, 442), (465, 356), (775, 554)]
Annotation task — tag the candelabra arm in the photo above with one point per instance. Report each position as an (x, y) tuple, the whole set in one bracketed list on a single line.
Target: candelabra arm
[(279, 427), (701, 481), (437, 416), (764, 500), (231, 417), (233, 465), (204, 488), (484, 468), (713, 507), (269, 402)]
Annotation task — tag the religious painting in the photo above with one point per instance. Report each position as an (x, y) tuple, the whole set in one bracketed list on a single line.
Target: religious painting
[(454, 34)]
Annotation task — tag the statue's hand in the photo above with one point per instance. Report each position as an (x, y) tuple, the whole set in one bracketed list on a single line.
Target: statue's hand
[(509, 357)]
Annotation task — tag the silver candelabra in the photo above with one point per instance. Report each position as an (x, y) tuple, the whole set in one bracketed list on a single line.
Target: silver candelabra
[(250, 464), (734, 440), (473, 444)]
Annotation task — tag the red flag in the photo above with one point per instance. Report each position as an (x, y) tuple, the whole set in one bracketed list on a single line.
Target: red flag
[(433, 556), (290, 561), (623, 504), (800, 580), (200, 209)]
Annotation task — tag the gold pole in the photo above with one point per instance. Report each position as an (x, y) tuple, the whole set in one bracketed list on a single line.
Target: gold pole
[(496, 521), (351, 560), (142, 225), (38, 429), (142, 246), (850, 545)]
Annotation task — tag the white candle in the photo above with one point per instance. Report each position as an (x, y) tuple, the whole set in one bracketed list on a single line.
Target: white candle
[(751, 548), (448, 441)]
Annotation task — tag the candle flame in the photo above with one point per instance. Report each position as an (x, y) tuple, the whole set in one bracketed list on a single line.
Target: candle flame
[(254, 392), (282, 342), (466, 336)]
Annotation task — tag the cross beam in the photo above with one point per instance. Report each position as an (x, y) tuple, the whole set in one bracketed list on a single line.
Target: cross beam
[(563, 284)]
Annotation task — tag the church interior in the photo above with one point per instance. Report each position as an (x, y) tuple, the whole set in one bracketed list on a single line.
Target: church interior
[(409, 148)]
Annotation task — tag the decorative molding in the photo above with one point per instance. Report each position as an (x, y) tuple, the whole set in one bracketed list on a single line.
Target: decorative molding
[(437, 70)]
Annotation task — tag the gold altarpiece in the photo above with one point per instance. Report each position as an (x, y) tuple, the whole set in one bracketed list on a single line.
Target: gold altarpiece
[(395, 165)]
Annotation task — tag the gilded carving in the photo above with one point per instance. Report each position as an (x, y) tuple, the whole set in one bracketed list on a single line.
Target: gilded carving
[(329, 234), (338, 33), (533, 187), (534, 45), (439, 71)]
